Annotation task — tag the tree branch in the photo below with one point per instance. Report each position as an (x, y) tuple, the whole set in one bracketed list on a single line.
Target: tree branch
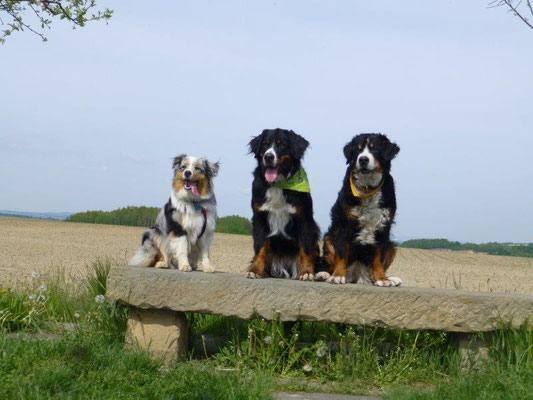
[(514, 9)]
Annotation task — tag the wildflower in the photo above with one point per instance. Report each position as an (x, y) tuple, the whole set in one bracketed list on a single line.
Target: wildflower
[(31, 297), (35, 275), (76, 315), (99, 298), (268, 339), (4, 291), (42, 288), (321, 351), (307, 368), (41, 298)]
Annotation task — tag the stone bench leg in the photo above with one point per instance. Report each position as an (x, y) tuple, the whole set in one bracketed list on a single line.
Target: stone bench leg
[(161, 333), (473, 351)]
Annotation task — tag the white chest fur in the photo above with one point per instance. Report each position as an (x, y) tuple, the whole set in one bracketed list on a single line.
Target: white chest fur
[(192, 219), (279, 211), (371, 218)]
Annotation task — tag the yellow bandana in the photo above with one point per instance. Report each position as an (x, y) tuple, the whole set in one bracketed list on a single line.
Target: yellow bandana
[(362, 195)]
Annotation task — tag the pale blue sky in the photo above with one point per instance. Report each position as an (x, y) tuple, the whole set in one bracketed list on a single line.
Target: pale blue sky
[(92, 118)]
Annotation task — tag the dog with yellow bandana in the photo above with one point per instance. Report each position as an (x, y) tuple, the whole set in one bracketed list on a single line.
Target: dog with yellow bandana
[(357, 246), (285, 233)]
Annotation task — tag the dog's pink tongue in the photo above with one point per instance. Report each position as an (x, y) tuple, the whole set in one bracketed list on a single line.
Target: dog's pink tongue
[(194, 189), (271, 174)]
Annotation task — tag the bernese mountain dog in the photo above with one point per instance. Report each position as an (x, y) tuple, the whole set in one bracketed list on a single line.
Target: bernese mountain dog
[(184, 228), (286, 236), (357, 246)]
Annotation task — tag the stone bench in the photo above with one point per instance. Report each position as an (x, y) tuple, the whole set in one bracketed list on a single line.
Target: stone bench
[(159, 298)]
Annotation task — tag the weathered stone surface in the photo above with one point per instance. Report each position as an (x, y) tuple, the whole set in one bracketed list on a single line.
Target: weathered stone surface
[(161, 333), (397, 308)]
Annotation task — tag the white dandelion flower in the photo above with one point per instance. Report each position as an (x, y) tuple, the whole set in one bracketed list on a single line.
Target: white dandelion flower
[(77, 315), (42, 288), (321, 351), (307, 368), (31, 297), (99, 298), (268, 339), (35, 275)]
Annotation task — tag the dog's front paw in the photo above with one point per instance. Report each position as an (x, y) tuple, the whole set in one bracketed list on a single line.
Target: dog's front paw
[(391, 281), (207, 268), (185, 267), (307, 277), (253, 275), (322, 276), (337, 280)]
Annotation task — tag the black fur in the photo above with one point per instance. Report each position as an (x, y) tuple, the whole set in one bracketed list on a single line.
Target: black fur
[(302, 229), (172, 225), (344, 230)]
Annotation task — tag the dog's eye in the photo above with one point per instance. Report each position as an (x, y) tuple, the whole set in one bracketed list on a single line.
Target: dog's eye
[(182, 167), (198, 169), (360, 147), (371, 145), (280, 145)]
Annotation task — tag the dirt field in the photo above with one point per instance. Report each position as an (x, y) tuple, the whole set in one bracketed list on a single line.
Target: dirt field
[(32, 245)]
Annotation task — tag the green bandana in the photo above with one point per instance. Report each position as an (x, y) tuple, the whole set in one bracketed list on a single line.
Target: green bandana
[(298, 182)]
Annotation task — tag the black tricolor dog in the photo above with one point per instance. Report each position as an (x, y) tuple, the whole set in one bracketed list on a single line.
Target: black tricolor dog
[(357, 246), (285, 233)]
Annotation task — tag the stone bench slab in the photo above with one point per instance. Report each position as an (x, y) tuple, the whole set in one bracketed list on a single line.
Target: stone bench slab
[(233, 295)]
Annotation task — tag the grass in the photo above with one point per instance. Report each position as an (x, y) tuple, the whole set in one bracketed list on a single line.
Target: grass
[(82, 354), (508, 373)]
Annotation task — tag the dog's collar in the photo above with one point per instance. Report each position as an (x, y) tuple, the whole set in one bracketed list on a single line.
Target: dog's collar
[(298, 182), (358, 193)]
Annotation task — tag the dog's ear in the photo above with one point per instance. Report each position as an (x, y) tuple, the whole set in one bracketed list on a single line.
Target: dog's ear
[(211, 169), (255, 145), (177, 160), (389, 149), (349, 151), (297, 145)]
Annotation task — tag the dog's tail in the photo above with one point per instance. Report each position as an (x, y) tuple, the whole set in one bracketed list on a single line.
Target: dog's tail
[(148, 254), (324, 263)]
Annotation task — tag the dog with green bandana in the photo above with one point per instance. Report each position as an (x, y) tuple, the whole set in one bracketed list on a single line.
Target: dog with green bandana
[(286, 236)]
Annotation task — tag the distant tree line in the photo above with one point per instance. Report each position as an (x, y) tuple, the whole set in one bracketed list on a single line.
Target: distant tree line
[(130, 216), (494, 248), (145, 216)]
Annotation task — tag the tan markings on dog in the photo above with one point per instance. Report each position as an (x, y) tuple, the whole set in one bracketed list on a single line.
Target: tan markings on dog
[(340, 265), (159, 242), (298, 211), (260, 260), (257, 207), (285, 158), (307, 261), (378, 268), (390, 254), (177, 183), (202, 182)]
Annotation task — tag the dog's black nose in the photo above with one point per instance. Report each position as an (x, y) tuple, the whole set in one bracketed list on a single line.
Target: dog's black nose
[(363, 161), (269, 158), (187, 174)]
